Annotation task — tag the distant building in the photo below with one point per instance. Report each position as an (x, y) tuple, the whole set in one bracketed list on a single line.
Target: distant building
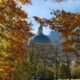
[(41, 48), (40, 53)]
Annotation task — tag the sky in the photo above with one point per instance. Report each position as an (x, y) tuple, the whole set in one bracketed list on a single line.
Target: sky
[(42, 9)]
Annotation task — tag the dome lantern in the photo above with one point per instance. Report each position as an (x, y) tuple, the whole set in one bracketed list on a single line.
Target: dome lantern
[(40, 30)]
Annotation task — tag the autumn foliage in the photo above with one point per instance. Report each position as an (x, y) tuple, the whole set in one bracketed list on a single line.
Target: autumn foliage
[(68, 24), (14, 30)]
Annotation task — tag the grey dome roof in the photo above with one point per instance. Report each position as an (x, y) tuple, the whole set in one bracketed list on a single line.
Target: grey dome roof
[(40, 38)]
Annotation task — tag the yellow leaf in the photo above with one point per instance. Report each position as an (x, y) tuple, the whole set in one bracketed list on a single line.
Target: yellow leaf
[(0, 1)]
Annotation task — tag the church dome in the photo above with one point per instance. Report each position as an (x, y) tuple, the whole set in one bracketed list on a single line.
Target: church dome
[(40, 37)]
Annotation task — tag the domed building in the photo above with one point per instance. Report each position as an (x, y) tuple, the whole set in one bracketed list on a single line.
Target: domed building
[(40, 52), (40, 47)]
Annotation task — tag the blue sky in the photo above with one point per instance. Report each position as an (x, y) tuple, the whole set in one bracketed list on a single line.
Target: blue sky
[(42, 9)]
